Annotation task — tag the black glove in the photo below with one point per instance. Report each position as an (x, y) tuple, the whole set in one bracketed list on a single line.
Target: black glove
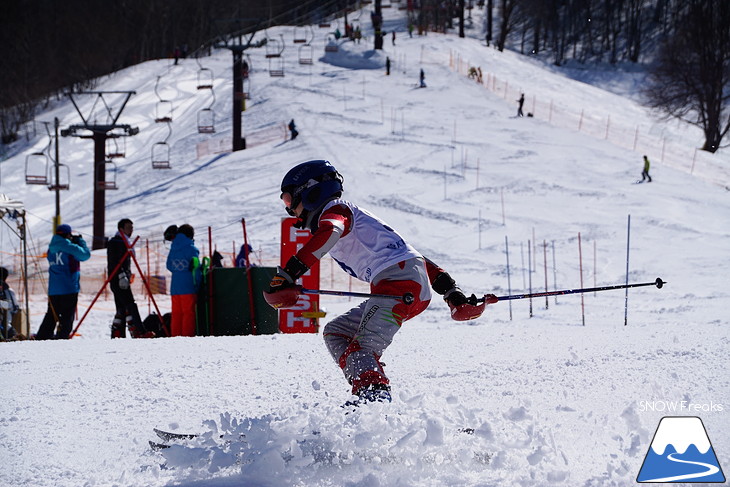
[(76, 239)]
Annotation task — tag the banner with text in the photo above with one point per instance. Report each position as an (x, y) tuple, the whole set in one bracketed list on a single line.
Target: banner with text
[(293, 320)]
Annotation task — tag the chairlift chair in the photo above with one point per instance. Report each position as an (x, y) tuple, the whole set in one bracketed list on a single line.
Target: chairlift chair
[(276, 67), (274, 48), (205, 79), (110, 169), (331, 43), (163, 111), (115, 149), (160, 155), (300, 35), (36, 168), (64, 178), (306, 54), (247, 67), (206, 121)]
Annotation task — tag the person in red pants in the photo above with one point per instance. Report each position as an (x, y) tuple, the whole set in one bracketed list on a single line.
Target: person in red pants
[(182, 262)]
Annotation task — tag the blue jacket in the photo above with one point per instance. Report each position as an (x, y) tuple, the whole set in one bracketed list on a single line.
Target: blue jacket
[(179, 262), (64, 269)]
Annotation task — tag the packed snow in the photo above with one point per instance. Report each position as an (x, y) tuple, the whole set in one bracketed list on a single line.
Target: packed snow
[(571, 395)]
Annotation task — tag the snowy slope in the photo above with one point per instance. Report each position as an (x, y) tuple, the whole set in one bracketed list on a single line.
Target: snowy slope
[(550, 401)]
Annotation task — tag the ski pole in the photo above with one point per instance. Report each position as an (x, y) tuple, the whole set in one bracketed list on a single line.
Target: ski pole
[(658, 283), (407, 298)]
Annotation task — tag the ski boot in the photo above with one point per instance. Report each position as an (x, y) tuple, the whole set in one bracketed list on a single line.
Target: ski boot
[(371, 393)]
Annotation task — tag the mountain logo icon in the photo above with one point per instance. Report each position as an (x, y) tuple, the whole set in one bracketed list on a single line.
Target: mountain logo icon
[(680, 452)]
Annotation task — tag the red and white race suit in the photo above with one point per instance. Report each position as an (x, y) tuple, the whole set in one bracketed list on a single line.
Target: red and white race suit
[(369, 250)]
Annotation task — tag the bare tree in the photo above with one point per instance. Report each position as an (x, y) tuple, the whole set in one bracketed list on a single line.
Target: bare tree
[(691, 80), (507, 22)]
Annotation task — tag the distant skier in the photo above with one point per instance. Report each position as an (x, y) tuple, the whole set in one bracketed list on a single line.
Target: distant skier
[(293, 129), (645, 172), (422, 78), (387, 66), (521, 102), (369, 250)]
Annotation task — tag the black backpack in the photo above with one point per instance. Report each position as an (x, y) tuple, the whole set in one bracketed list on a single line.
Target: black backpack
[(161, 328)]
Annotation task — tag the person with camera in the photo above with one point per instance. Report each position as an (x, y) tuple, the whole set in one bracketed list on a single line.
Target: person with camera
[(65, 254), (119, 248)]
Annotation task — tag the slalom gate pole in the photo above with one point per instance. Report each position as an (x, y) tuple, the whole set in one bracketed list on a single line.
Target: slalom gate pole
[(252, 311), (407, 298), (626, 296), (658, 283)]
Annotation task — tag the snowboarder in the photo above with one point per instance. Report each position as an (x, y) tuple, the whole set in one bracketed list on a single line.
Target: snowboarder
[(521, 102), (293, 129), (367, 249), (645, 172), (183, 261), (65, 253), (422, 78), (127, 314)]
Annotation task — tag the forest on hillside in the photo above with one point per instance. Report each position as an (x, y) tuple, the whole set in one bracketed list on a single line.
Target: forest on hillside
[(56, 47)]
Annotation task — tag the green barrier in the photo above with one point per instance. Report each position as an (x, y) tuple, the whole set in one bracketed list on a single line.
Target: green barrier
[(230, 302)]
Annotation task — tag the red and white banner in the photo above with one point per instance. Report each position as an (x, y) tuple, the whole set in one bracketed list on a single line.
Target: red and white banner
[(291, 320)]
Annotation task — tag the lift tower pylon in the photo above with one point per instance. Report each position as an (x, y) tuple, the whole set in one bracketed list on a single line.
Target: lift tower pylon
[(99, 133), (237, 48)]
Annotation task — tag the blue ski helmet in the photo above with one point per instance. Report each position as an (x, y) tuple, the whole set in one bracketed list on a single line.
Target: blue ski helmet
[(312, 183)]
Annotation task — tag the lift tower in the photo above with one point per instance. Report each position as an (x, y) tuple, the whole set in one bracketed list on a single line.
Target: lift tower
[(99, 133), (237, 48)]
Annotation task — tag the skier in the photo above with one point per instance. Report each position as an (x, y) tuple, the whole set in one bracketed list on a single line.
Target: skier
[(387, 66), (422, 78), (368, 249), (293, 129), (645, 172), (521, 102)]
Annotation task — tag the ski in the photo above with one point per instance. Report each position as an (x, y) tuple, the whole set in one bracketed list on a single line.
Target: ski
[(167, 435), (158, 446)]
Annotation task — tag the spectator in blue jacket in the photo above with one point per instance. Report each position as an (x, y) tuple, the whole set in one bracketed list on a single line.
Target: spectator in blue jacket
[(245, 251), (65, 253), (183, 261)]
